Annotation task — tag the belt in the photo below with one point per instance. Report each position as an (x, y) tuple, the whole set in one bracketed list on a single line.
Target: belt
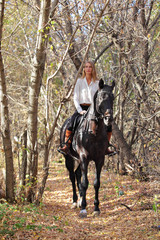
[(85, 104)]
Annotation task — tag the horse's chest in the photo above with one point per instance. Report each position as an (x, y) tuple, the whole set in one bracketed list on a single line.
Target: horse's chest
[(91, 142), (96, 141)]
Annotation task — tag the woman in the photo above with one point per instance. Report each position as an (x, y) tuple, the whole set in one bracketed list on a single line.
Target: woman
[(84, 91)]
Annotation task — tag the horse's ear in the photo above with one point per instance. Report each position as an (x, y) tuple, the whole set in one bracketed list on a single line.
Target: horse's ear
[(101, 83), (113, 84)]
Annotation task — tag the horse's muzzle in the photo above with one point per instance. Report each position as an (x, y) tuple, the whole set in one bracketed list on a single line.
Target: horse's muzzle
[(107, 118)]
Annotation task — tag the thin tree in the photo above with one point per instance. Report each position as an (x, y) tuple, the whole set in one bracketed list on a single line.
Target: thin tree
[(38, 66), (5, 126)]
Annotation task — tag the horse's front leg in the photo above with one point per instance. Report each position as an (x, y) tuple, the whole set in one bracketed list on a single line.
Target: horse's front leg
[(79, 185), (84, 185), (99, 166), (70, 167)]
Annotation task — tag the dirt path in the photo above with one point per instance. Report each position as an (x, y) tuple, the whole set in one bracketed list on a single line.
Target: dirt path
[(115, 220), (55, 219)]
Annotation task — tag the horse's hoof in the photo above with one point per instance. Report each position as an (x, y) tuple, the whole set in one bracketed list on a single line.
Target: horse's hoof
[(96, 213), (83, 213), (74, 205)]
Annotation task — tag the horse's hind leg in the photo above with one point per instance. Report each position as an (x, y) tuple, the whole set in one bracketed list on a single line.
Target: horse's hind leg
[(70, 167), (96, 187)]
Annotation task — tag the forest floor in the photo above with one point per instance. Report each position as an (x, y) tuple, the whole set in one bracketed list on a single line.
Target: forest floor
[(55, 219)]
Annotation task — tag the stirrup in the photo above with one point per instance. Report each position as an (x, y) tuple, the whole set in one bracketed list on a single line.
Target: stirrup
[(111, 153)]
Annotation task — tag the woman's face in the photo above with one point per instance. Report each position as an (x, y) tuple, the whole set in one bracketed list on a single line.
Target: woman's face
[(88, 69)]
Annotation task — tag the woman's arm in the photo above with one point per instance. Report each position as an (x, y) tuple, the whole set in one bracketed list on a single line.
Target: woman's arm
[(76, 96)]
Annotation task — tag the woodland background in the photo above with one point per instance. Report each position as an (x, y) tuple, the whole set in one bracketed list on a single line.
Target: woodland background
[(43, 46)]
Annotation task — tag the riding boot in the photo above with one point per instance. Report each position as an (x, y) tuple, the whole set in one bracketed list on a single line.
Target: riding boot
[(109, 152), (68, 140)]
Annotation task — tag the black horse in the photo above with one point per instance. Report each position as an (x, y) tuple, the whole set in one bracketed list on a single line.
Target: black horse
[(89, 144)]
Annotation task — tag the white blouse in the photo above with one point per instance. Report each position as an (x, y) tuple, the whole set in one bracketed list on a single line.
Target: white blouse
[(84, 93)]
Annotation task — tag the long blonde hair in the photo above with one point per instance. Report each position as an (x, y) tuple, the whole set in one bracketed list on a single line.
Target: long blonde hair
[(94, 73)]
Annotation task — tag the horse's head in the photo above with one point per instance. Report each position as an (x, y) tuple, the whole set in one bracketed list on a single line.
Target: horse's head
[(104, 102)]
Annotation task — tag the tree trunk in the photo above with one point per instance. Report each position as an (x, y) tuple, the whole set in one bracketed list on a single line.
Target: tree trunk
[(5, 127), (24, 157), (69, 29), (123, 144), (38, 64)]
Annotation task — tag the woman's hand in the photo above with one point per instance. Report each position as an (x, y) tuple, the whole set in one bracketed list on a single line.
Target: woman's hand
[(83, 112)]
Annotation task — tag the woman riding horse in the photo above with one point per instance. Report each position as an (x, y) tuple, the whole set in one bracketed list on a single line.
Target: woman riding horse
[(89, 144)]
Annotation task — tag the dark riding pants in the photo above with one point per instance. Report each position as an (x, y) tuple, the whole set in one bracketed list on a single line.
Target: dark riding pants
[(75, 119)]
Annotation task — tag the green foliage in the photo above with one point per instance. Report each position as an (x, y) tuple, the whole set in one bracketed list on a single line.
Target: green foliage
[(119, 189), (154, 207), (16, 217), (156, 204)]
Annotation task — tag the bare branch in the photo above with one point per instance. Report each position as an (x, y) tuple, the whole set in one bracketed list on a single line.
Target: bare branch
[(154, 23), (150, 11), (103, 51)]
